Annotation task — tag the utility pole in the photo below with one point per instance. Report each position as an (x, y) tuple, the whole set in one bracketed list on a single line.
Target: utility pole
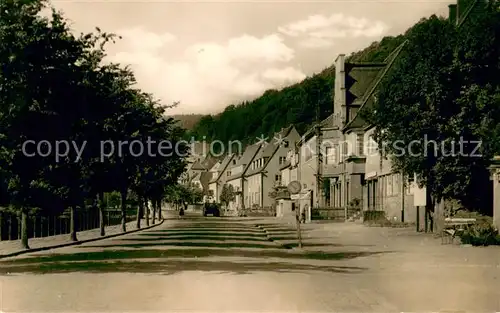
[(297, 206), (319, 162)]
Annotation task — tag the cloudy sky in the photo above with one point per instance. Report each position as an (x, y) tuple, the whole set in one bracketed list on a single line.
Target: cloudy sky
[(208, 55)]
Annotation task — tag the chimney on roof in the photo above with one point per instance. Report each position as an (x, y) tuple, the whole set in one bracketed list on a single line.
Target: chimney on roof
[(339, 102), (453, 11)]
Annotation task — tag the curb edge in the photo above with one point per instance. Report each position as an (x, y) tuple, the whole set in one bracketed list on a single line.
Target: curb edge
[(283, 245)]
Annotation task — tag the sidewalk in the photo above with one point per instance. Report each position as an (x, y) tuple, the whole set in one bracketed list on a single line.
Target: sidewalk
[(13, 247)]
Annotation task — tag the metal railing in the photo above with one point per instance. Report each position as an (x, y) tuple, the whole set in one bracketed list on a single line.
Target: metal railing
[(51, 225)]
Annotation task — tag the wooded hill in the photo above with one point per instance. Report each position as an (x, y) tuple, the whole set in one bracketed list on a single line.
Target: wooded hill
[(295, 104), (187, 121)]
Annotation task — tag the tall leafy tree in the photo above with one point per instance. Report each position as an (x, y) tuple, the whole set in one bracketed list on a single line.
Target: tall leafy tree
[(442, 95), (38, 57)]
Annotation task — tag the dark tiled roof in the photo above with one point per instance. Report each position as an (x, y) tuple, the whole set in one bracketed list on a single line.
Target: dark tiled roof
[(245, 160), (205, 179), (364, 77), (210, 161), (197, 166), (223, 166), (357, 121), (270, 150), (248, 155)]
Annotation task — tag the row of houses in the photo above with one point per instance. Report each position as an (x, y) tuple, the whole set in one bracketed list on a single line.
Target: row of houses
[(337, 162)]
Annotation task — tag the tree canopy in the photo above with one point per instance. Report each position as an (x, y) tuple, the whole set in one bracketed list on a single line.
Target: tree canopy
[(62, 106), (443, 95)]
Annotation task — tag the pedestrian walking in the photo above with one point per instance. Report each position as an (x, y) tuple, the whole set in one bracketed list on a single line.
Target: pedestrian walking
[(181, 212)]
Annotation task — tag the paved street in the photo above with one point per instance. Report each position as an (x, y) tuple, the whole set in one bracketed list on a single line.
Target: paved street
[(249, 264)]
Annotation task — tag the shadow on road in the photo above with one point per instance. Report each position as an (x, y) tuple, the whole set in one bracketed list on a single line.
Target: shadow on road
[(188, 253), (181, 247), (173, 267), (183, 243), (217, 233), (208, 237), (212, 229)]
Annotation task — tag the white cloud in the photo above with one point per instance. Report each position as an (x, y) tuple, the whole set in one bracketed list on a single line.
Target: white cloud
[(285, 75), (316, 43), (207, 77), (139, 39), (319, 31)]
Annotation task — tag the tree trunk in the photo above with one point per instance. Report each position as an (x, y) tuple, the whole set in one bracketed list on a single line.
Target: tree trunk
[(101, 213), (140, 208), (24, 229), (124, 210), (1, 225), (9, 227), (428, 208), (146, 210), (438, 217), (159, 210), (153, 207), (72, 225)]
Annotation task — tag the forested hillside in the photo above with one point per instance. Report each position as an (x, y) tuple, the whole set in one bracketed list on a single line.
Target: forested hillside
[(187, 121), (295, 104)]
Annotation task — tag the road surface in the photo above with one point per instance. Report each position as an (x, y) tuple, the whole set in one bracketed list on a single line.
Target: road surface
[(230, 265)]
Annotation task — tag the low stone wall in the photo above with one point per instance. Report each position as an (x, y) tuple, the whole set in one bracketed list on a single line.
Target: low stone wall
[(257, 212)]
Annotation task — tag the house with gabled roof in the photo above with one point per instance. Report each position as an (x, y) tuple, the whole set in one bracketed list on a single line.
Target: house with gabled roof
[(332, 158), (264, 172), (309, 164), (201, 172), (198, 154), (361, 171), (197, 172), (354, 161), (219, 175), (237, 178), (285, 206)]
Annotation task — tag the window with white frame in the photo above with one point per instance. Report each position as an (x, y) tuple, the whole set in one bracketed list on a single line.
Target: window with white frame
[(331, 155), (282, 160)]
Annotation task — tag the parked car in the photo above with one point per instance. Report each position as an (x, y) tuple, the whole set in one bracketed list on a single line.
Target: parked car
[(211, 209)]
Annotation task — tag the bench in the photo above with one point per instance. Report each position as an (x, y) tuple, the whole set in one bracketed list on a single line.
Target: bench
[(454, 226)]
